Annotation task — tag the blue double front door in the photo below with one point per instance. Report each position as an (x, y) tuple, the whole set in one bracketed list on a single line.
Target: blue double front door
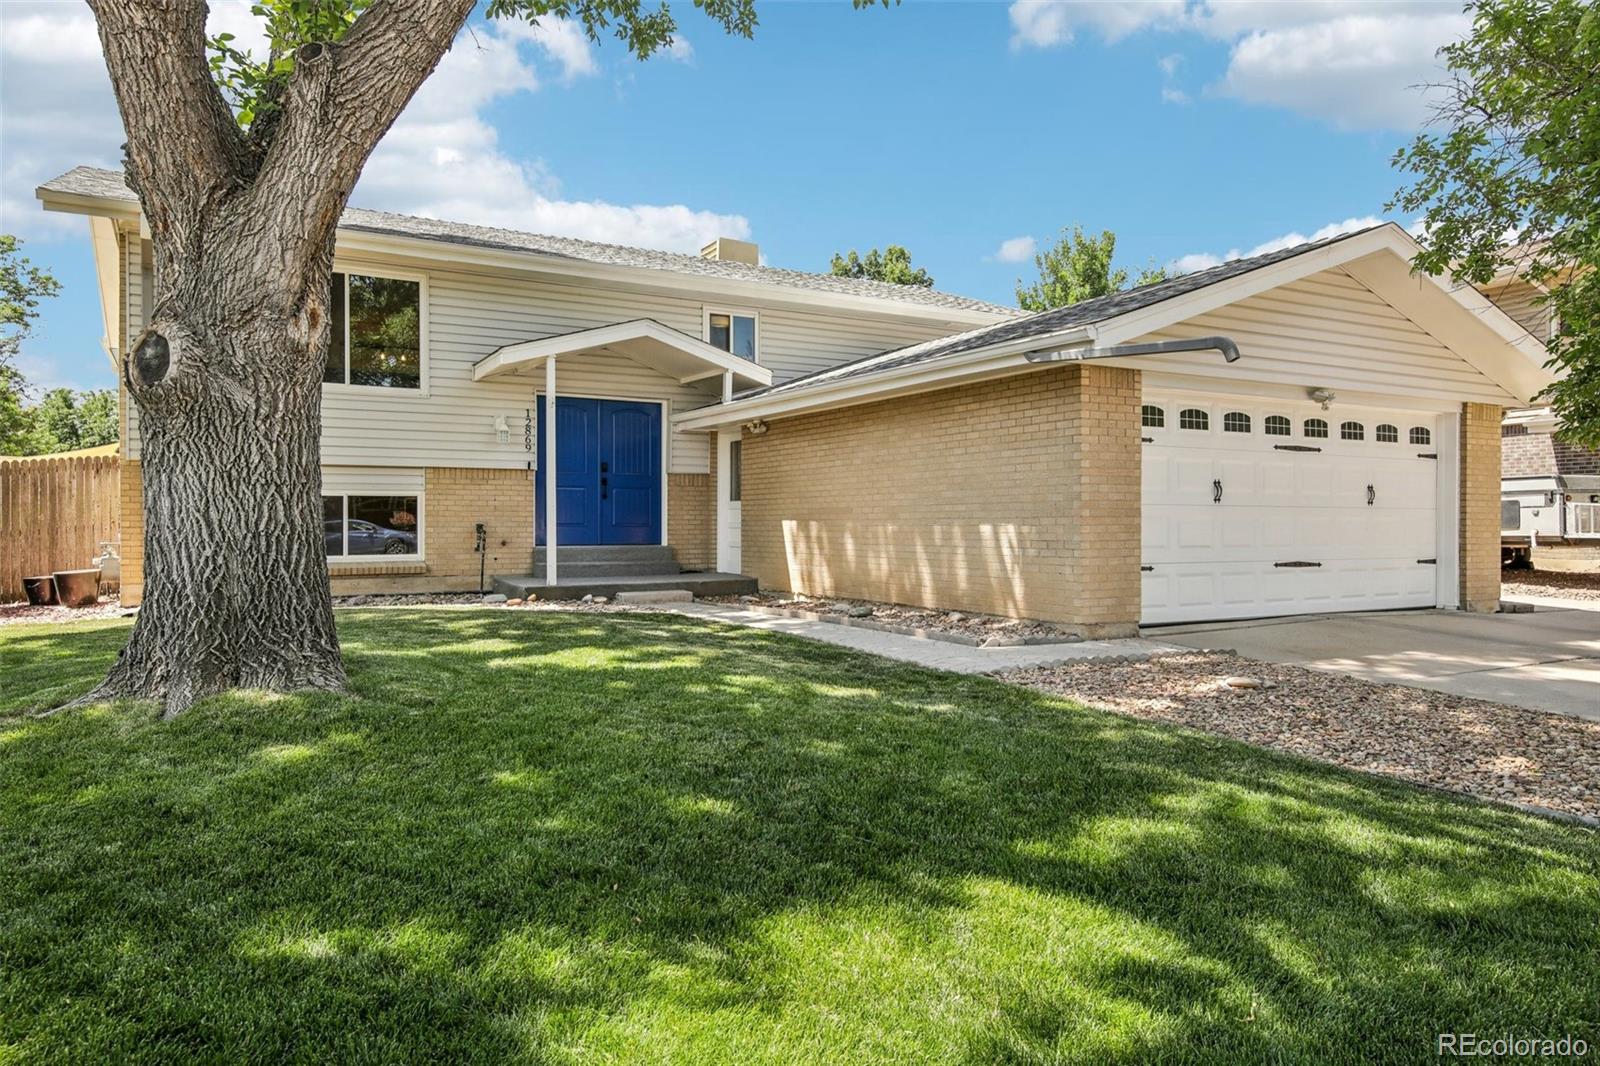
[(608, 472)]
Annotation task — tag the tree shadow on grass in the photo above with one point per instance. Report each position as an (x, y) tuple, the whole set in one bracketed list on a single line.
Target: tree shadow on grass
[(549, 836)]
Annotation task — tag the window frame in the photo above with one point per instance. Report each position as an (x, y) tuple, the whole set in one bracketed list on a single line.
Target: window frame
[(1411, 436), (1285, 421), (707, 310), (367, 271), (1248, 422), (1144, 413), (1353, 431), (1205, 419), (1322, 426), (346, 559), (1378, 437), (736, 471)]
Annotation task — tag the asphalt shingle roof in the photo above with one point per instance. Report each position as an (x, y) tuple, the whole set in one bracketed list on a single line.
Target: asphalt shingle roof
[(1044, 323), (92, 181)]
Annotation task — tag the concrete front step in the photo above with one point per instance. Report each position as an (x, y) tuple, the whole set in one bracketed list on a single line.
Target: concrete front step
[(608, 553), (576, 588), (580, 568)]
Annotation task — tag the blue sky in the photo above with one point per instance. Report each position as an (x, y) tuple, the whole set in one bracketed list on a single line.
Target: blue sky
[(965, 131)]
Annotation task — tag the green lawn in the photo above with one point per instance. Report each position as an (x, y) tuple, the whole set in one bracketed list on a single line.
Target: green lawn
[(552, 837)]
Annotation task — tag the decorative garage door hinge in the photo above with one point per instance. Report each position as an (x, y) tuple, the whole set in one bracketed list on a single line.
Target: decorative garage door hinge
[(1427, 455), (1147, 569), (1297, 563), (1147, 440), (1295, 448), (1428, 562)]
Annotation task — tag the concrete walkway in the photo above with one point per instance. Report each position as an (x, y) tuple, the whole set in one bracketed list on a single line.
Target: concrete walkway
[(937, 654), (1545, 660)]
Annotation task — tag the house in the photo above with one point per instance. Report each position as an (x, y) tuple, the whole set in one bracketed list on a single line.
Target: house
[(839, 437), (1549, 487)]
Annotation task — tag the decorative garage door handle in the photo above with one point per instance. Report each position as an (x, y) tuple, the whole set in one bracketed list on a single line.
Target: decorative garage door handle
[(1295, 448), (1372, 496), (1297, 563), (1216, 491)]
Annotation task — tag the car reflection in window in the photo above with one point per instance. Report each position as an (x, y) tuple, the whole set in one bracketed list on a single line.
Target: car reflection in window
[(366, 538)]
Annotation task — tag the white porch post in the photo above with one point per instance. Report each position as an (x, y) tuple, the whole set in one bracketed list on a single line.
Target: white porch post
[(727, 386), (550, 522)]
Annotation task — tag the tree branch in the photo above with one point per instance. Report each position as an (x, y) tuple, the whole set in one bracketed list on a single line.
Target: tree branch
[(341, 99), (184, 150)]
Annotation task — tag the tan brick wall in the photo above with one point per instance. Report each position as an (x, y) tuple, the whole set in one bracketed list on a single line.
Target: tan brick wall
[(132, 547), (1017, 497), (1480, 507), (456, 500), (691, 519)]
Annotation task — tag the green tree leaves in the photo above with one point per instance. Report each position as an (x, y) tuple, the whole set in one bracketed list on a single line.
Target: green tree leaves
[(1079, 268), (1517, 162), (892, 265)]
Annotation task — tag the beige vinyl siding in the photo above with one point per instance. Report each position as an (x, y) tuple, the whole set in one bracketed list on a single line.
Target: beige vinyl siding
[(1521, 301), (450, 423), (1328, 330)]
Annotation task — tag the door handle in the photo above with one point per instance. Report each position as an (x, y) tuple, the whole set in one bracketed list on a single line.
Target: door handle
[(604, 490), (1372, 496), (1216, 491)]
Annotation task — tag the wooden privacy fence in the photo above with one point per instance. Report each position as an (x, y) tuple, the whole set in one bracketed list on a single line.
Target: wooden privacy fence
[(54, 514)]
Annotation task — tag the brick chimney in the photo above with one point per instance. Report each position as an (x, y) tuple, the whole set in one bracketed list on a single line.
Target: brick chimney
[(728, 250)]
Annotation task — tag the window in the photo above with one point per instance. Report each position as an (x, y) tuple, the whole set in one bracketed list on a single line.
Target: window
[(1316, 427), (1236, 422), (735, 333), (1194, 418), (1277, 426), (376, 332), (1152, 417), (1352, 431), (371, 525), (735, 470), (1388, 434), (1421, 435)]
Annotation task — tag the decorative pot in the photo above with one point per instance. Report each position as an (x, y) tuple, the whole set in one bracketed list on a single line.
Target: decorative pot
[(78, 588), (41, 591)]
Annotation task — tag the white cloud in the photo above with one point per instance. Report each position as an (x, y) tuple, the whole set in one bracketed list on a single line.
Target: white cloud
[(1170, 95), (1356, 65), (1169, 64), (1187, 264), (680, 50), (1015, 250), (442, 158)]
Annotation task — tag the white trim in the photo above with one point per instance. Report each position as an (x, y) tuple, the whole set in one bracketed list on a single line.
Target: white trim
[(509, 358), (552, 516), (366, 270), (1447, 445), (707, 310), (728, 512)]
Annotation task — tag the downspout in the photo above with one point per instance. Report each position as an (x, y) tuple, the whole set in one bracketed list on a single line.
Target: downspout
[(1225, 345)]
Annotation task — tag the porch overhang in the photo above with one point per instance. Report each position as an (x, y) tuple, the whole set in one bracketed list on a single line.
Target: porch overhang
[(668, 351)]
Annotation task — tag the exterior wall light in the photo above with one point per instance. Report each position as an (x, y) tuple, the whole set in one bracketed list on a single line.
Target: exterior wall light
[(1323, 396), (502, 429)]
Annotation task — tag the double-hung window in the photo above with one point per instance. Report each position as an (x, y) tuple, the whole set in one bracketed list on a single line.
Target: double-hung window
[(733, 332), (376, 332)]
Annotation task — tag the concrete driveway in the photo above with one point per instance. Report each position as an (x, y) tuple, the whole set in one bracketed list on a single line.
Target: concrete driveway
[(1547, 660)]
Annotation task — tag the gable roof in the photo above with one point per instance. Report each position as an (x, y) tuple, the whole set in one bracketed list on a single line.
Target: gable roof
[(95, 183), (1042, 324), (1379, 257)]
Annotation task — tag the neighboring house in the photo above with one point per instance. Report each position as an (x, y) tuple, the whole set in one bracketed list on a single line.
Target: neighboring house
[(840, 437), (1550, 489)]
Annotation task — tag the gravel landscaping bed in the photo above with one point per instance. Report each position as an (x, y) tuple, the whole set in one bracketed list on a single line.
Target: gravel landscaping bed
[(977, 627), (20, 613), (1552, 583), (1432, 738)]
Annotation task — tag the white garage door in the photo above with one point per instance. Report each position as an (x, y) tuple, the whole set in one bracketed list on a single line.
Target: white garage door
[(1252, 509)]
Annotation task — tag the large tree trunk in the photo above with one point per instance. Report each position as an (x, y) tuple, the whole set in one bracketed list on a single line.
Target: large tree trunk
[(228, 376), (228, 383)]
